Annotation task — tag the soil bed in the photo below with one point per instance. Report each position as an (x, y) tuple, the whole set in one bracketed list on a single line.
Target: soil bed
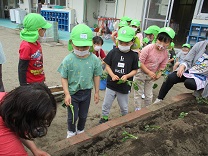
[(161, 133)]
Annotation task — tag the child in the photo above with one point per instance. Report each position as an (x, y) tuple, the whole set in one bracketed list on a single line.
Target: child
[(97, 49), (121, 64), (25, 113), (135, 24), (79, 70), (30, 68), (115, 33), (151, 33), (153, 58), (127, 19), (181, 55), (172, 56)]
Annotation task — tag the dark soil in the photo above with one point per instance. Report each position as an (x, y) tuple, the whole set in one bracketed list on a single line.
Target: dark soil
[(160, 134)]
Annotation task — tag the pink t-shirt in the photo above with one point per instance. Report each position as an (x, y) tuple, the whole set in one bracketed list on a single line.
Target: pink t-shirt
[(10, 144), (153, 59)]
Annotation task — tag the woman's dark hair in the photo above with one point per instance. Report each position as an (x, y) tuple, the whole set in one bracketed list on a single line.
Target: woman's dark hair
[(164, 37), (28, 110), (97, 40)]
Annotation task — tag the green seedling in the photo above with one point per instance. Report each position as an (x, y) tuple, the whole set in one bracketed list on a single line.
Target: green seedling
[(148, 128), (128, 136), (72, 110), (182, 115), (155, 85), (201, 100), (104, 76), (130, 83)]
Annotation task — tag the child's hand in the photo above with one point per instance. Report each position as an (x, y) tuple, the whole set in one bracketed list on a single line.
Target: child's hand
[(115, 78), (124, 78), (96, 98), (158, 75), (67, 100), (152, 75)]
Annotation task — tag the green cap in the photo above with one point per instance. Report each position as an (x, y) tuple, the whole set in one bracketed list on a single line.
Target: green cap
[(81, 35), (135, 22), (31, 23), (186, 45), (126, 18), (169, 31), (126, 34), (123, 24), (145, 40), (153, 29), (172, 45)]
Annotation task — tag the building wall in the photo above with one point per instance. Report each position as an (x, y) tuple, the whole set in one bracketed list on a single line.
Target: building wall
[(78, 5), (25, 6), (106, 9), (92, 12), (131, 8)]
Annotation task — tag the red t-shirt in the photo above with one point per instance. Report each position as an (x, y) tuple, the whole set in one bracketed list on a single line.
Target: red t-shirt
[(100, 53), (33, 53), (10, 144)]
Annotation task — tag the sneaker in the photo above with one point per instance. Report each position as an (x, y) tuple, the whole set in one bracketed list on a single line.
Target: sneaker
[(70, 134), (79, 132), (157, 101), (136, 109), (143, 96), (103, 120)]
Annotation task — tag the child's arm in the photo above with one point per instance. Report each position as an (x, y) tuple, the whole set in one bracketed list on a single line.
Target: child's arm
[(170, 60), (65, 86), (22, 71), (33, 148), (147, 71), (96, 84), (113, 36), (110, 72), (131, 74)]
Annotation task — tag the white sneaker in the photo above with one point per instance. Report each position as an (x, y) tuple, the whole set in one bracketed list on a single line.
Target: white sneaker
[(157, 101), (136, 109), (70, 134), (79, 132), (143, 96)]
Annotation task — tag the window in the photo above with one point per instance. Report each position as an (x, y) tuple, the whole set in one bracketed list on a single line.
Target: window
[(109, 1), (204, 8), (201, 10)]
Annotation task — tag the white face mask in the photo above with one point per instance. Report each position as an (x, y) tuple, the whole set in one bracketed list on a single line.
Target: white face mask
[(81, 53), (124, 49), (135, 29), (97, 48), (185, 53)]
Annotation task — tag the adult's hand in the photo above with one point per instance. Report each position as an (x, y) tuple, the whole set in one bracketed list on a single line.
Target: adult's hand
[(181, 70)]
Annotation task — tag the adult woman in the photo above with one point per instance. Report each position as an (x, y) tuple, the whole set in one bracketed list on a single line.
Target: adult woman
[(25, 113), (193, 71)]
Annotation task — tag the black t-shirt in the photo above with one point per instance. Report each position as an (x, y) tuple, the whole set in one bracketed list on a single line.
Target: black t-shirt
[(121, 64), (172, 55)]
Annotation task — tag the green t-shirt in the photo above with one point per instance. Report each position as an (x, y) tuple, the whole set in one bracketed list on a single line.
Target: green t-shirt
[(80, 71)]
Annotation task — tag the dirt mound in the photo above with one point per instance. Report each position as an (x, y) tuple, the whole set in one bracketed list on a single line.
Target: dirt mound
[(173, 131)]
